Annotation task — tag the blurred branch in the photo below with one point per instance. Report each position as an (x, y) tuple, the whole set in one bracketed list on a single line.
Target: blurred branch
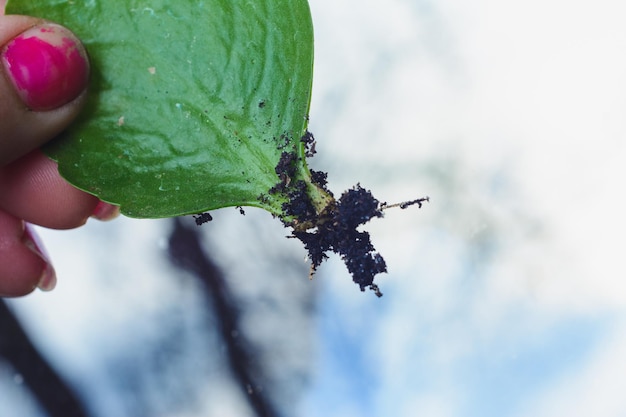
[(185, 250), (53, 394)]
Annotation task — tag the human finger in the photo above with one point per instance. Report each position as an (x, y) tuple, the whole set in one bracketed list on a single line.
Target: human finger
[(25, 265), (32, 189), (44, 73)]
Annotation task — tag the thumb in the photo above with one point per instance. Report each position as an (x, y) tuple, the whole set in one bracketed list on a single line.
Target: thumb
[(44, 71)]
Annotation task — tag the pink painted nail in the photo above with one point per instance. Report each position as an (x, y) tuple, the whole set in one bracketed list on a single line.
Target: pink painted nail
[(48, 279), (105, 211), (48, 66)]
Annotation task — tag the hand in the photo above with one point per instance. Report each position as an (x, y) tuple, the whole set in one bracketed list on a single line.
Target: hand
[(44, 73)]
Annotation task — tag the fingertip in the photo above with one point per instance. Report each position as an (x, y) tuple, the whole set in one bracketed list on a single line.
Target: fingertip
[(47, 66), (105, 211), (44, 73), (47, 278), (22, 268)]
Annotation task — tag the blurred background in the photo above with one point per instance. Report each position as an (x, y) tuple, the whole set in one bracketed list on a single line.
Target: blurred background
[(505, 294)]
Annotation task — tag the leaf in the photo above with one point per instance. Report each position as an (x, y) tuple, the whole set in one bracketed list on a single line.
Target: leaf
[(192, 103)]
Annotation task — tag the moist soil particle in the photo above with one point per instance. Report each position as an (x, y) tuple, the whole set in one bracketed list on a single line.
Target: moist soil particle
[(202, 218), (320, 179), (309, 144)]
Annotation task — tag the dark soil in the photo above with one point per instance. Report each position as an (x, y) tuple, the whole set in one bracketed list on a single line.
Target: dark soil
[(202, 218), (336, 231), (334, 228)]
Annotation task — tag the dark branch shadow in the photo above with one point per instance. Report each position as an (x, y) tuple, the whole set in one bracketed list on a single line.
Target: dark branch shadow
[(186, 252), (53, 394)]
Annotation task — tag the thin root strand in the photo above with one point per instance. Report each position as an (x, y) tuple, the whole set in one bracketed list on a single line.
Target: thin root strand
[(406, 204)]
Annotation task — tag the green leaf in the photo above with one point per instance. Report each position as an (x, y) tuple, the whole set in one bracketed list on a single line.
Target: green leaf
[(192, 102)]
